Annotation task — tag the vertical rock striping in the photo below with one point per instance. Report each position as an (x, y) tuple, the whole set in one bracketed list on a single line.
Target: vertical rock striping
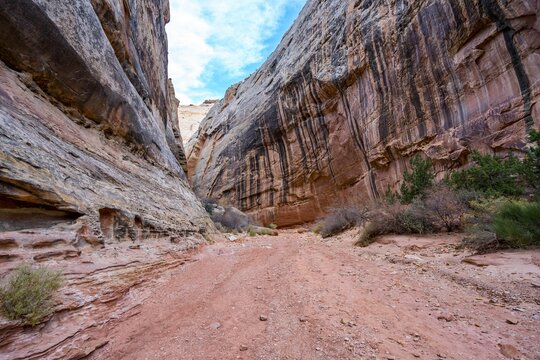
[(357, 87)]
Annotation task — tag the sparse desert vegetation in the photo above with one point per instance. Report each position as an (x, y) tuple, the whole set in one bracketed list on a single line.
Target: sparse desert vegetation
[(341, 219), (494, 201), (27, 293)]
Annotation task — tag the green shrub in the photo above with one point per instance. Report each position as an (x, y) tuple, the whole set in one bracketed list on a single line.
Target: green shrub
[(493, 223), (27, 294), (518, 224), (341, 219), (531, 164), (491, 175), (390, 197), (416, 181), (273, 226)]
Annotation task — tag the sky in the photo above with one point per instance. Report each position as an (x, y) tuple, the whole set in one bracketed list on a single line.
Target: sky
[(214, 44)]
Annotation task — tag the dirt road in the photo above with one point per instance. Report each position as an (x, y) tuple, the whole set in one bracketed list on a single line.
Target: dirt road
[(296, 296)]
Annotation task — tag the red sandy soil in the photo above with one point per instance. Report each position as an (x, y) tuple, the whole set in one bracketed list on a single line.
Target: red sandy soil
[(401, 298)]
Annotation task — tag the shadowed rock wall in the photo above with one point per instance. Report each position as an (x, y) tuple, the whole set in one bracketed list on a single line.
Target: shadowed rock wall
[(356, 88)]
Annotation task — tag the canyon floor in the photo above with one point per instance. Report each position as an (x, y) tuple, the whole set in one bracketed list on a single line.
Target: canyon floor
[(297, 296)]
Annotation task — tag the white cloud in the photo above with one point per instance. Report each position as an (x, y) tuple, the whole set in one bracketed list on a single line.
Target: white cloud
[(229, 34)]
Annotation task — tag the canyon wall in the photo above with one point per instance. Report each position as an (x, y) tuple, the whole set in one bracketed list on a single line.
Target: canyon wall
[(190, 117), (356, 88), (91, 162), (88, 121)]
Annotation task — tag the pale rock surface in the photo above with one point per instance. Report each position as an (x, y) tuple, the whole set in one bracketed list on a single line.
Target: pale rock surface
[(190, 117)]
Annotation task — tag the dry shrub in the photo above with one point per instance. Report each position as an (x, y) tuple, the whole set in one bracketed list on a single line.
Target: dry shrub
[(27, 294), (445, 206), (396, 219), (231, 219), (341, 219)]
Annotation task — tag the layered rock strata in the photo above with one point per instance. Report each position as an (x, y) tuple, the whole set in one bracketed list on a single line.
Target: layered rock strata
[(91, 158), (356, 88), (88, 121)]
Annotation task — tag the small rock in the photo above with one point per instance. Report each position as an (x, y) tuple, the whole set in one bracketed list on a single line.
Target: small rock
[(510, 351), (414, 258), (303, 319), (318, 348), (135, 247), (391, 357), (216, 325), (263, 318), (259, 287), (347, 322), (512, 321), (243, 348), (535, 284), (446, 317)]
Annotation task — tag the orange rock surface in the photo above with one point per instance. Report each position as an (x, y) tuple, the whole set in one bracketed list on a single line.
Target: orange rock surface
[(355, 89)]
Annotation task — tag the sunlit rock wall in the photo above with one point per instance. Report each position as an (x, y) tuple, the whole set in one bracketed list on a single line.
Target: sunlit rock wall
[(356, 88)]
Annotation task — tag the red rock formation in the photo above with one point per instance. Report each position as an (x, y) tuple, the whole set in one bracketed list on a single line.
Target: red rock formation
[(91, 178), (355, 88)]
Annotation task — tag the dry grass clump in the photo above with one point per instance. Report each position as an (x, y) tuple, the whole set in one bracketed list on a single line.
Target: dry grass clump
[(259, 230)]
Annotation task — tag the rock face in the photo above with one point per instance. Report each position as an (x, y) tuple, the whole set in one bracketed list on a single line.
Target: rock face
[(88, 122), (190, 117), (91, 177), (356, 88)]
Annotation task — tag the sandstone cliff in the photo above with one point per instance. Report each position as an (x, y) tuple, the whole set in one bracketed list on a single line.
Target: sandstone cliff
[(190, 117), (88, 124), (357, 87), (91, 160)]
